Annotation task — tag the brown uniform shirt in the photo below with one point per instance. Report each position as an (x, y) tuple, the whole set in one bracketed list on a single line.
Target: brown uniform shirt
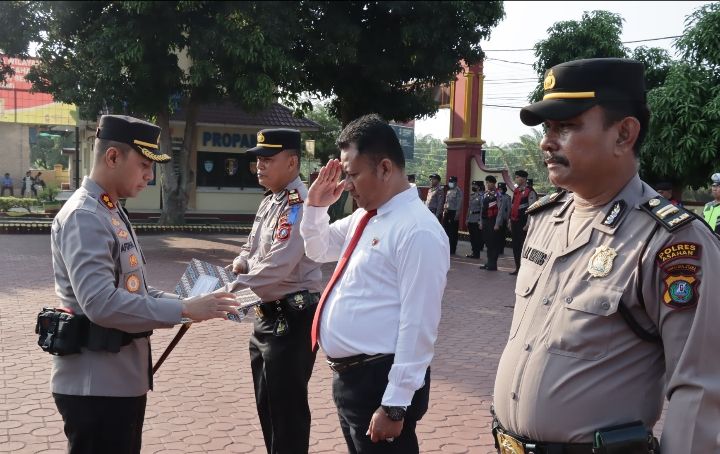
[(274, 255), (572, 365)]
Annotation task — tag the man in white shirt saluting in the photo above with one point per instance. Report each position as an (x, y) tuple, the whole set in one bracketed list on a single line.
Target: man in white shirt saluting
[(378, 317)]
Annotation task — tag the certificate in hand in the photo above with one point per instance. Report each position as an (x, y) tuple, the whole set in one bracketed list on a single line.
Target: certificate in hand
[(203, 277)]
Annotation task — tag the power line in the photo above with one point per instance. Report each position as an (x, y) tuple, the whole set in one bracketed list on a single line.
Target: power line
[(509, 61), (623, 42)]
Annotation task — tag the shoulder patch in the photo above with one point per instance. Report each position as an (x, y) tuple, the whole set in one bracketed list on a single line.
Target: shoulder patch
[(684, 250), (671, 217), (294, 197), (545, 202)]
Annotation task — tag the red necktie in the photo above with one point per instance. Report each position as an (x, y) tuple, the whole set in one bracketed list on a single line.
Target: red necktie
[(315, 333)]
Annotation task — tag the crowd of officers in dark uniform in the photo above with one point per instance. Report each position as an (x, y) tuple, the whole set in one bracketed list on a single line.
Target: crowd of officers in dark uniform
[(491, 214)]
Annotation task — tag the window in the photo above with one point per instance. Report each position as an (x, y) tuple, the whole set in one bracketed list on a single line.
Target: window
[(226, 170)]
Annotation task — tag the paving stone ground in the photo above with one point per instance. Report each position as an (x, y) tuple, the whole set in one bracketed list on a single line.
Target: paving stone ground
[(203, 399)]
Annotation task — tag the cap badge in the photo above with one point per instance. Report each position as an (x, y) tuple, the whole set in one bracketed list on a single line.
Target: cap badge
[(601, 262), (260, 137), (107, 201), (549, 81)]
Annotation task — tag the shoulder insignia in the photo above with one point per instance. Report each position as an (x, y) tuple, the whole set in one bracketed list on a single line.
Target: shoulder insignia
[(671, 217), (545, 202), (294, 197), (107, 201)]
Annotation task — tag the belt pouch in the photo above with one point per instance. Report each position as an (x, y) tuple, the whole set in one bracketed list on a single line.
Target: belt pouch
[(631, 438)]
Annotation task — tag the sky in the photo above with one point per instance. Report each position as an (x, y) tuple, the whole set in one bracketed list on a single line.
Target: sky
[(525, 24)]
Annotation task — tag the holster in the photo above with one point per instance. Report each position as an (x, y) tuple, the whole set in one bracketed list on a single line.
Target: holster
[(63, 333), (631, 438)]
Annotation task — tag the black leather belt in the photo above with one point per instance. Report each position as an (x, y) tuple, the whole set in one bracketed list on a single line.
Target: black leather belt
[(297, 301), (340, 365)]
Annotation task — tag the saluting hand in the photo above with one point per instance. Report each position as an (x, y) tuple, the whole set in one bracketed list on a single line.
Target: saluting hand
[(211, 305), (382, 427), (326, 189)]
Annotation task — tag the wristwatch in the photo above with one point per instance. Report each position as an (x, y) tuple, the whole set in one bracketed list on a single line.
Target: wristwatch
[(394, 413)]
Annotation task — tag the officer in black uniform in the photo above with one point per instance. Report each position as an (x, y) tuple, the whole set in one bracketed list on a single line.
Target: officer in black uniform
[(491, 230)]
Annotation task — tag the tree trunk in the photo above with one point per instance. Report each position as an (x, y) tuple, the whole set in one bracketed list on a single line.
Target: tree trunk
[(176, 174)]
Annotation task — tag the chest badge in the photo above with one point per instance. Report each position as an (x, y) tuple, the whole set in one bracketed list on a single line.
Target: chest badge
[(601, 262), (375, 241)]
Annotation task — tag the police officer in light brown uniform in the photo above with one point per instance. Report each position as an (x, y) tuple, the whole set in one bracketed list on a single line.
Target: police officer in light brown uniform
[(435, 199), (616, 299), (274, 265), (100, 391)]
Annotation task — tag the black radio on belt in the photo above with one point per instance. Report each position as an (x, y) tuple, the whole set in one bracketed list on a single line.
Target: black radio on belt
[(631, 438), (64, 333)]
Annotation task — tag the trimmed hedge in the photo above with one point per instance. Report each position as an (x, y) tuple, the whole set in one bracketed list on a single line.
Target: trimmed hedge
[(14, 202)]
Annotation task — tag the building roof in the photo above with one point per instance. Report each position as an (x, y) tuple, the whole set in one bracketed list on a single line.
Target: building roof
[(227, 113)]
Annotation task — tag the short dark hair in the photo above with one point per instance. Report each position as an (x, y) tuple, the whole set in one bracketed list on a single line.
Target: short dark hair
[(491, 179), (373, 137), (614, 112)]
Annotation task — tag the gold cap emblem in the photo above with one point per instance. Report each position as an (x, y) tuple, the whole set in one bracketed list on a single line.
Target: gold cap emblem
[(260, 137), (549, 80)]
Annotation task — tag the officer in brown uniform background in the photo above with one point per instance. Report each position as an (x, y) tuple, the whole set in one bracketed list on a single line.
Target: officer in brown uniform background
[(435, 199), (273, 264), (451, 213), (473, 219), (523, 196), (100, 388), (616, 305)]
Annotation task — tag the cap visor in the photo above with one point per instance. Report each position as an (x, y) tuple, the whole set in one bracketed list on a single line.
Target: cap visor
[(554, 109), (156, 157)]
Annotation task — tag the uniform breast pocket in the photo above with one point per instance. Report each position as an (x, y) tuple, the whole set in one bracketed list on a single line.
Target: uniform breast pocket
[(524, 290), (583, 326)]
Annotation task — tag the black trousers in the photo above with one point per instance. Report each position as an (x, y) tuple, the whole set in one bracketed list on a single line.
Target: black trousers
[(358, 392), (281, 368), (518, 239), (451, 227), (96, 424), (476, 238), (493, 241), (6, 188)]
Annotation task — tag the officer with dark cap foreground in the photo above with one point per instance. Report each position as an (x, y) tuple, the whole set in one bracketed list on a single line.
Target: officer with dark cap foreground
[(473, 219), (711, 211), (273, 264), (616, 302), (435, 199), (523, 196), (665, 189), (451, 213), (100, 387)]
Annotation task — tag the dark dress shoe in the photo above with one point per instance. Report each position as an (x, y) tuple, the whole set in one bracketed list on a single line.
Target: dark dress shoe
[(471, 256), (484, 267)]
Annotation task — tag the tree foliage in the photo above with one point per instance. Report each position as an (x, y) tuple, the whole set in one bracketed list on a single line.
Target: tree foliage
[(430, 157), (522, 155), (683, 142), (19, 25), (152, 58), (385, 56), (330, 128), (596, 35)]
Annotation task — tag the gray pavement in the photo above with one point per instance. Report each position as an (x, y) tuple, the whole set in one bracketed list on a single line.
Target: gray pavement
[(203, 399)]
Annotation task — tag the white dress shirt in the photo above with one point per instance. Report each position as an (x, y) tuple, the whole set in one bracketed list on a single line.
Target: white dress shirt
[(388, 298)]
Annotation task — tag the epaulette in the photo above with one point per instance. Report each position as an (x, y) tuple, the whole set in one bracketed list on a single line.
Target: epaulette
[(666, 214), (294, 197), (545, 202)]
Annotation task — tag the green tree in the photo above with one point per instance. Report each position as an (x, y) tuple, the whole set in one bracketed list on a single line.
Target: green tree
[(430, 157), (19, 25), (596, 35), (330, 128), (683, 141), (46, 151), (385, 56), (152, 58)]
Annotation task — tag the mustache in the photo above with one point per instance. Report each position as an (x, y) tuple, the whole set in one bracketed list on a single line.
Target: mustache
[(556, 159)]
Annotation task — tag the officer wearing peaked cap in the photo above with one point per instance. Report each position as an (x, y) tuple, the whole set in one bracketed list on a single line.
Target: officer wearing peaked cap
[(473, 218), (451, 212), (435, 199), (274, 265), (615, 299), (100, 383)]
